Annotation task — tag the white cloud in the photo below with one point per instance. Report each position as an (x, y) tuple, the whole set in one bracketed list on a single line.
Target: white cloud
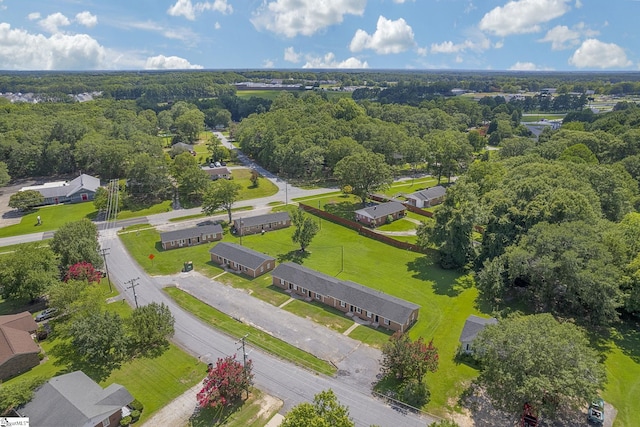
[(162, 62), (217, 25), (578, 4), (290, 55), (33, 16), (170, 32), (422, 51), (293, 17), (596, 54), (522, 16), (52, 22), (329, 61), (267, 63), (189, 10), (20, 50), (563, 37), (480, 45), (527, 66), (87, 19), (390, 37)]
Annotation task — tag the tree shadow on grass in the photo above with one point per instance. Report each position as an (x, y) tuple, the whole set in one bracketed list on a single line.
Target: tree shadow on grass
[(626, 335), (68, 358), (425, 269), (208, 417), (343, 209), (296, 256)]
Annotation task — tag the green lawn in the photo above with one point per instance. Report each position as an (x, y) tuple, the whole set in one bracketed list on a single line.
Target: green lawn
[(161, 207), (411, 186), (320, 313), (265, 187), (398, 225), (201, 215), (256, 337), (52, 218), (248, 413)]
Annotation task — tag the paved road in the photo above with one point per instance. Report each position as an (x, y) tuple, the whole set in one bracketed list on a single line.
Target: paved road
[(290, 383)]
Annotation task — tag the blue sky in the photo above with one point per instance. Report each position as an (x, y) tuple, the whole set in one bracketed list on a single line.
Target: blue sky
[(573, 35)]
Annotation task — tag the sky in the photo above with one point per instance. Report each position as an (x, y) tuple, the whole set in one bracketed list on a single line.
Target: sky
[(524, 35)]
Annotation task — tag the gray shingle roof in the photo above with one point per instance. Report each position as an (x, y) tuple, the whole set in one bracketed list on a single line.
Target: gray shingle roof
[(74, 399), (190, 233), (243, 256), (473, 326), (381, 210), (66, 189), (384, 305), (223, 170), (429, 193), (253, 221)]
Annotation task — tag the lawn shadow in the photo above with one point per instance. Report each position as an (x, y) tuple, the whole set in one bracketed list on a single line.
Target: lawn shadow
[(626, 335), (295, 255), (209, 417), (343, 209), (68, 358), (424, 269)]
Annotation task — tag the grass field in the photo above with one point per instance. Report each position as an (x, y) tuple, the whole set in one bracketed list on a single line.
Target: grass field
[(265, 187), (52, 217)]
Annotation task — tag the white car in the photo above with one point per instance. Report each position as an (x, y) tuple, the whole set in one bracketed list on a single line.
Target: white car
[(46, 314)]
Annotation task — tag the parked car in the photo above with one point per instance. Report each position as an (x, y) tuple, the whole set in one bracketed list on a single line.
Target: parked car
[(218, 164), (223, 163), (596, 412), (46, 314)]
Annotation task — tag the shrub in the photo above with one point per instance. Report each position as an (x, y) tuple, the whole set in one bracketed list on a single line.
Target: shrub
[(125, 421), (137, 405), (135, 415), (415, 393)]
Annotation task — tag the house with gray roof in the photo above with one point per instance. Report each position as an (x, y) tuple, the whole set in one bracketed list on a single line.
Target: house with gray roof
[(18, 350), (472, 328), (75, 400), (242, 259), (379, 214), (214, 173), (428, 197), (81, 189), (375, 307), (191, 236), (261, 223)]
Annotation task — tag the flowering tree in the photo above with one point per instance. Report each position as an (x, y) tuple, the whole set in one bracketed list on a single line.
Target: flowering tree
[(225, 383), (83, 271), (406, 359)]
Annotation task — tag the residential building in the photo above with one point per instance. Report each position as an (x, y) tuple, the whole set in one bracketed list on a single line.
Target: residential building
[(242, 259), (428, 197), (375, 307), (191, 236), (18, 351), (261, 223), (75, 400), (380, 214), (81, 189), (472, 328), (221, 172)]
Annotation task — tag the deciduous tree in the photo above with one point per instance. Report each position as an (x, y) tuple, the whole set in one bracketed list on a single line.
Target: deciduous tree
[(305, 228), (220, 194), (4, 174), (406, 359), (538, 360), (99, 338), (151, 326), (25, 200), (77, 242), (28, 272), (83, 271), (225, 383), (365, 173), (326, 411)]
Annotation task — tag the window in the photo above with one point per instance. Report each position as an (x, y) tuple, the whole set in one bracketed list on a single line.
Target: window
[(342, 304), (282, 282), (358, 310), (106, 422), (295, 287), (369, 314), (387, 322), (317, 295)]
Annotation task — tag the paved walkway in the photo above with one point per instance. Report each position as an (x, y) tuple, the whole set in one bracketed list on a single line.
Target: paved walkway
[(357, 363)]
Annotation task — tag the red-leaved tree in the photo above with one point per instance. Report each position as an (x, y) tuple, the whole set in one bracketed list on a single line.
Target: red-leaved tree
[(83, 271), (406, 359), (225, 383)]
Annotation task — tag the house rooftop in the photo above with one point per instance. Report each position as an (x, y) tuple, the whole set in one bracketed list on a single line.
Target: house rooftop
[(474, 325), (15, 335), (429, 193), (66, 188), (381, 210), (190, 233), (240, 254), (253, 221), (380, 303)]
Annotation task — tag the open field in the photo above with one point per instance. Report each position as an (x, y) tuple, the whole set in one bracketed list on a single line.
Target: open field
[(52, 218), (265, 187)]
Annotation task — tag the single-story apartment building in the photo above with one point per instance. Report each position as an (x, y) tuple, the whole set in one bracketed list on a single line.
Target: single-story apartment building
[(428, 197), (378, 214), (80, 189), (242, 259), (260, 223), (472, 328), (18, 351), (214, 173), (75, 400), (372, 306), (191, 236)]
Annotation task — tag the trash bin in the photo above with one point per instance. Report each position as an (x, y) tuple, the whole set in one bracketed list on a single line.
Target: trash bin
[(188, 266)]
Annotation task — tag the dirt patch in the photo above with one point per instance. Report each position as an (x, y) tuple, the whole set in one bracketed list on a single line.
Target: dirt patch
[(269, 405)]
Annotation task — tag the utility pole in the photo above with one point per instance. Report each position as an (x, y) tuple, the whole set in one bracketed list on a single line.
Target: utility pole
[(133, 284), (286, 193), (104, 252), (244, 359)]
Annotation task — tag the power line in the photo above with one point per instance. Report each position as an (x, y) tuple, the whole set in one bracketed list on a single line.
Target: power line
[(133, 284)]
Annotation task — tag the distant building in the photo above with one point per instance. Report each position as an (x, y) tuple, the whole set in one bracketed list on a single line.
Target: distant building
[(472, 328), (427, 198), (218, 172), (260, 223), (81, 189), (75, 400), (190, 236), (242, 259), (378, 214), (18, 351)]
